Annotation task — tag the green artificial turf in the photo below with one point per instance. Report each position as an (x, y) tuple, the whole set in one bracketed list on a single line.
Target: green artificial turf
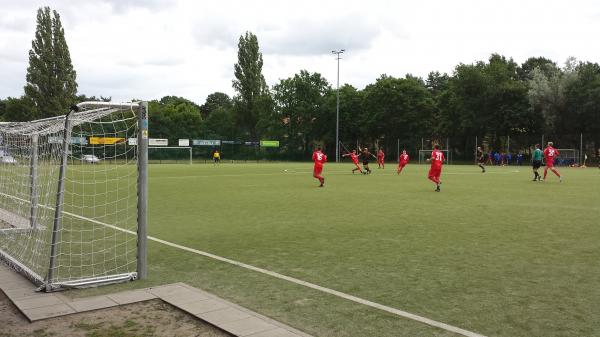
[(493, 253)]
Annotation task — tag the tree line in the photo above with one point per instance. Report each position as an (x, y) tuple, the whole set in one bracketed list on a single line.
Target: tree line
[(490, 99)]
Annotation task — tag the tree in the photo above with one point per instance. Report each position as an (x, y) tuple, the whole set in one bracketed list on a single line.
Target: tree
[(397, 108), (215, 101), (18, 109), (85, 98), (351, 116), (2, 109), (543, 64), (174, 117), (582, 102), (51, 79), (249, 83), (299, 105)]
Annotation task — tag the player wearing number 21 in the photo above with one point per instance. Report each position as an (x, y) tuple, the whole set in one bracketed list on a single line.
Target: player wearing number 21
[(320, 159), (437, 160)]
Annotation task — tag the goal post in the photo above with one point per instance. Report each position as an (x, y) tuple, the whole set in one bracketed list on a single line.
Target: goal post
[(64, 222), (426, 154)]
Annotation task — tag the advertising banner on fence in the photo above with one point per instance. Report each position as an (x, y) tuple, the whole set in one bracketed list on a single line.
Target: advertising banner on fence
[(158, 142), (106, 140), (252, 143), (74, 140), (232, 142), (132, 141), (184, 142), (206, 142), (269, 143)]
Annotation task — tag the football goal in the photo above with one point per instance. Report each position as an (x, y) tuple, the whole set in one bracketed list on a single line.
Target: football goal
[(73, 196), (567, 157), (426, 154)]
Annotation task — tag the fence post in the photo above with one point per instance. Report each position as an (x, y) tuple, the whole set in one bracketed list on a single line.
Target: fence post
[(542, 144), (476, 149), (580, 148)]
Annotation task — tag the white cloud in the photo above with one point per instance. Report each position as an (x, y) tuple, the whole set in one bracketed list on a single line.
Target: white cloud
[(149, 48)]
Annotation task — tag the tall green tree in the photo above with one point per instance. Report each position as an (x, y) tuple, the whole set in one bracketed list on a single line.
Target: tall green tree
[(397, 108), (51, 79), (249, 83), (18, 109), (175, 117), (299, 106), (215, 101), (582, 102)]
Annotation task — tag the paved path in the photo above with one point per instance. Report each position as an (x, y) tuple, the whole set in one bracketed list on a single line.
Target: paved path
[(225, 315)]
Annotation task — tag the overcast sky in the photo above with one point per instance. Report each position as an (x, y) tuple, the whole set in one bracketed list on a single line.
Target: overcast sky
[(147, 49)]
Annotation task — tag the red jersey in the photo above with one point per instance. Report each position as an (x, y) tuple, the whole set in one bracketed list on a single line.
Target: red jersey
[(380, 154), (403, 159), (437, 159), (354, 158), (549, 154), (319, 158)]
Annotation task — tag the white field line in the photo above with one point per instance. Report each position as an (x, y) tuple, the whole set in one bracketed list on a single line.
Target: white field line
[(333, 292), (352, 298)]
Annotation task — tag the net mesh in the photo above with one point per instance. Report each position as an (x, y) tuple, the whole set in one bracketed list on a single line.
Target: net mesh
[(96, 237)]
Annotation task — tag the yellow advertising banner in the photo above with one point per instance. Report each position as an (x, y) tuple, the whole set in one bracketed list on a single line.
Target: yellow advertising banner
[(105, 140)]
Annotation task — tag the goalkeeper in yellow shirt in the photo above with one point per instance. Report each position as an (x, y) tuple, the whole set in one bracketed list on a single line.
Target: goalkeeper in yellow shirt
[(216, 157)]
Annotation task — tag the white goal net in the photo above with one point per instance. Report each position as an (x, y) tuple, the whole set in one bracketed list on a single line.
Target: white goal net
[(69, 205)]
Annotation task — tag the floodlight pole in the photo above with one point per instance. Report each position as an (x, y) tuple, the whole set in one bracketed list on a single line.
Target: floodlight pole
[(337, 107)]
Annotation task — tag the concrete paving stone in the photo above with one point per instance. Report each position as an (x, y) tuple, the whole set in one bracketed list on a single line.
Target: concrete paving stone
[(10, 277), (247, 326), (48, 312), (165, 291), (131, 296), (279, 332), (23, 293), (92, 303), (184, 296), (37, 302), (187, 286), (16, 285), (220, 317), (203, 306)]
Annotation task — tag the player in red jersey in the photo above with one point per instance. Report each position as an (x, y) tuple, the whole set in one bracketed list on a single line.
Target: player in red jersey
[(402, 161), (380, 159), (549, 154), (320, 159), (437, 160), (354, 158)]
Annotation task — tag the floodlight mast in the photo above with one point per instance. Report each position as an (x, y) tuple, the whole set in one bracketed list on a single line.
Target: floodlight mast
[(337, 107)]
